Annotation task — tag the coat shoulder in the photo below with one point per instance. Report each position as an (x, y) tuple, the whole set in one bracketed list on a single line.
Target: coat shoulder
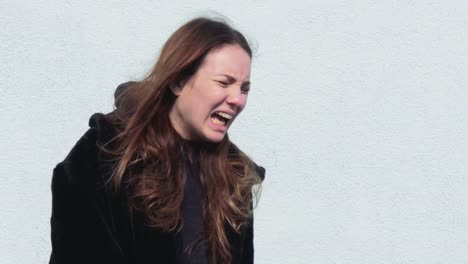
[(83, 160), (81, 230)]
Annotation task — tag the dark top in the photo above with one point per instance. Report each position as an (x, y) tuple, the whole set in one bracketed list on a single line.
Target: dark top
[(92, 224), (191, 233)]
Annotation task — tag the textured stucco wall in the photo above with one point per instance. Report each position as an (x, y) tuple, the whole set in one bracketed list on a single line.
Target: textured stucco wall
[(358, 110)]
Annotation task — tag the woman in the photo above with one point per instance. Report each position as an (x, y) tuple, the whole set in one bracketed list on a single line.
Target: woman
[(158, 180)]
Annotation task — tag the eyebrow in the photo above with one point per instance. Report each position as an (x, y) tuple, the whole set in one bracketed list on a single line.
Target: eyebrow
[(232, 79)]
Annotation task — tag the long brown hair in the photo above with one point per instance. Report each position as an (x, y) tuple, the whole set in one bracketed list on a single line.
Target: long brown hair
[(150, 153)]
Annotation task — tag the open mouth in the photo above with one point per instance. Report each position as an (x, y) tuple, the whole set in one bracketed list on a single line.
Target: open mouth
[(221, 118)]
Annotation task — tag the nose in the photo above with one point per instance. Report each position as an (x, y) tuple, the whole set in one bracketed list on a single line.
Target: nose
[(236, 98)]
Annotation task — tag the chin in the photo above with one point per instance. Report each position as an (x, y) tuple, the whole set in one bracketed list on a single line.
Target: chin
[(214, 138)]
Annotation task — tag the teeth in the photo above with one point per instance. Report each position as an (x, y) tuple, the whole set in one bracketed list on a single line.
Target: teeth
[(217, 121), (227, 116)]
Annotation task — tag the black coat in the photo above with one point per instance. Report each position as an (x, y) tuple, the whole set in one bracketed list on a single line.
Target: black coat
[(91, 224)]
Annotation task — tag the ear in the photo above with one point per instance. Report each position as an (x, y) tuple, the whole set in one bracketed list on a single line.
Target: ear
[(175, 89)]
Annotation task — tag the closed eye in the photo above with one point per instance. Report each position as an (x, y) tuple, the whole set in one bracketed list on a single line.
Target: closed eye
[(223, 83)]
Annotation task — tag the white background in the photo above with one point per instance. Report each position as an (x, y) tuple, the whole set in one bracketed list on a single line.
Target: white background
[(358, 111)]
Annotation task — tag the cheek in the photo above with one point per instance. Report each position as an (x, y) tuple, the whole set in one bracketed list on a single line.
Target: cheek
[(199, 110)]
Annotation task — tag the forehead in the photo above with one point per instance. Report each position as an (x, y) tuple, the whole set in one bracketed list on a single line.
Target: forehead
[(228, 59)]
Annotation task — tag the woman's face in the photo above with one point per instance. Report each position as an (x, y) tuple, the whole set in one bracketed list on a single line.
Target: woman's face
[(212, 98)]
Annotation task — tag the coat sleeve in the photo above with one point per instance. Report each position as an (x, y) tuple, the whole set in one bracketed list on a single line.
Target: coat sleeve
[(248, 252), (78, 233)]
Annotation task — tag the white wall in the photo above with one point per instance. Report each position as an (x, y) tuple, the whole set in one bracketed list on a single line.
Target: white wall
[(358, 110)]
